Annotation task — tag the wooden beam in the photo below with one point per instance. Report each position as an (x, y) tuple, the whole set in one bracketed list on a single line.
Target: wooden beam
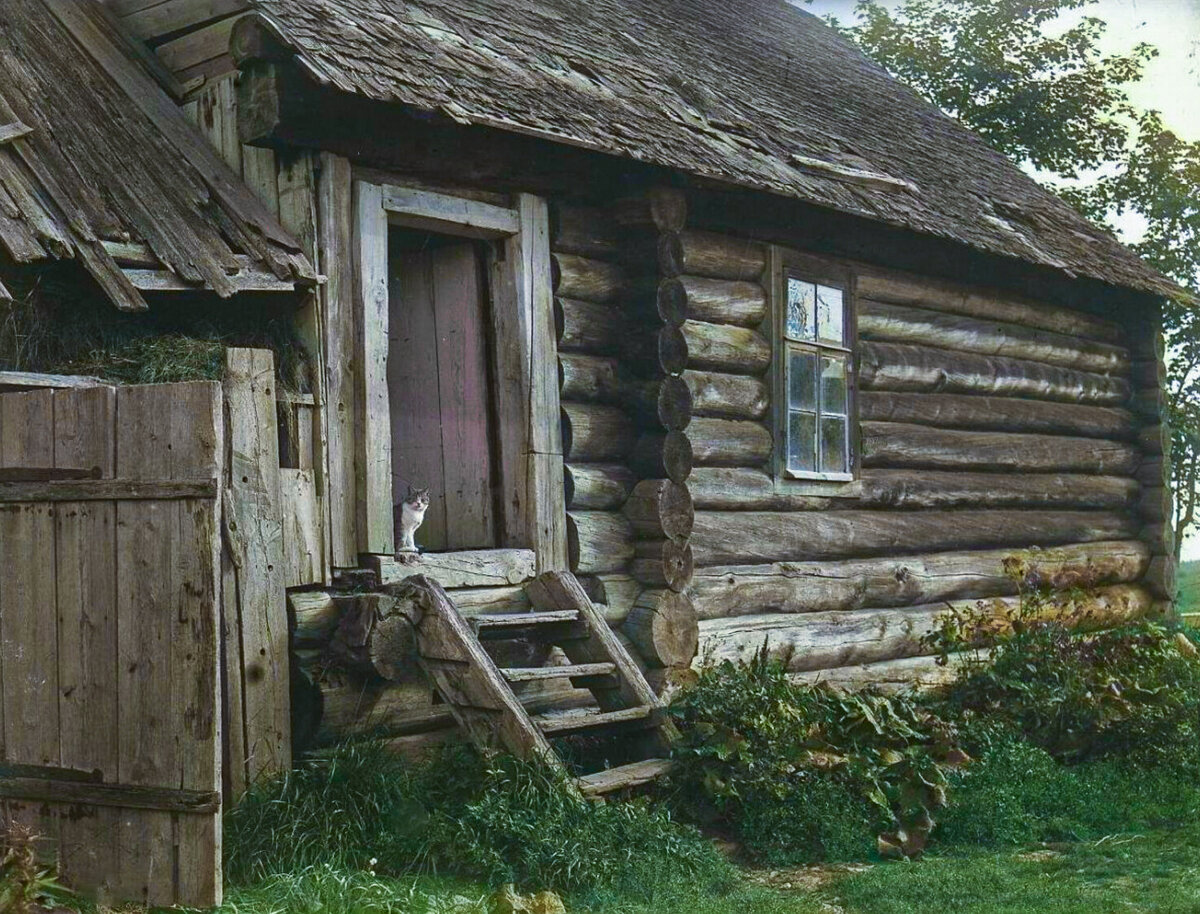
[(13, 131), (28, 380), (435, 212), (471, 568), (246, 279), (83, 793), (105, 490)]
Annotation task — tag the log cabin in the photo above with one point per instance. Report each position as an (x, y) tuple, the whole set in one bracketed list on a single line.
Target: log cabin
[(706, 312)]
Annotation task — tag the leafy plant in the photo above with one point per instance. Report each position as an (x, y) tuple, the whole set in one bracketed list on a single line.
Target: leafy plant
[(25, 885), (801, 772)]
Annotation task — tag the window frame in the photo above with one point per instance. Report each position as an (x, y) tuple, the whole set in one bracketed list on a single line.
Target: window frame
[(782, 264)]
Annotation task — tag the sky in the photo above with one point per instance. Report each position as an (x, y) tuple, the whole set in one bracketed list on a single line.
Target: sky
[(1171, 82)]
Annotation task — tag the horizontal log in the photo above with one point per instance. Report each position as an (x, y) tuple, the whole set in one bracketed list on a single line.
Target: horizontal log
[(728, 442), (718, 301), (594, 433), (818, 641), (897, 444), (727, 396), (919, 326), (940, 489), (897, 367), (663, 209), (598, 541), (1154, 439), (660, 508), (663, 455), (707, 254), (928, 293), (725, 348), (1002, 414), (461, 568), (906, 580), (662, 625), (585, 230), (613, 593), (665, 402), (583, 278), (890, 677), (583, 326), (751, 537), (665, 348), (663, 563), (597, 486), (590, 378), (744, 489), (314, 616)]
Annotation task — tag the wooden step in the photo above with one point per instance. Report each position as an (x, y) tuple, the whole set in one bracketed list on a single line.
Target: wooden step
[(573, 670), (623, 777), (587, 719), (524, 620)]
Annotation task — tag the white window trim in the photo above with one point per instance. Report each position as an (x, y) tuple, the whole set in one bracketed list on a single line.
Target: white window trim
[(780, 261)]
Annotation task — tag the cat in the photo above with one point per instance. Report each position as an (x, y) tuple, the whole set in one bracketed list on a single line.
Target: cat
[(411, 514)]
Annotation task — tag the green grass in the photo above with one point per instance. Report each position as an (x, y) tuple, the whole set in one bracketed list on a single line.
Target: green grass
[(1189, 588)]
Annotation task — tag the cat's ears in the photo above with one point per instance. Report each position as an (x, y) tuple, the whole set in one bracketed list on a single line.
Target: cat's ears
[(413, 491)]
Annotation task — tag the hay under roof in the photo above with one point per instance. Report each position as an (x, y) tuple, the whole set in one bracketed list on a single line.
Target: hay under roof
[(754, 93), (95, 158)]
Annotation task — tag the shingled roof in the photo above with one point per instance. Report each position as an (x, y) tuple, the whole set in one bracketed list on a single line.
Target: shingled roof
[(754, 93), (96, 158)]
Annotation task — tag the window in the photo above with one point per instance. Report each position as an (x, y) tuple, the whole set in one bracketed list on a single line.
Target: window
[(815, 430)]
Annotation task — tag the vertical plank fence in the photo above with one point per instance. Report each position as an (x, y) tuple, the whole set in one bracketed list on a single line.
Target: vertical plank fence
[(109, 664)]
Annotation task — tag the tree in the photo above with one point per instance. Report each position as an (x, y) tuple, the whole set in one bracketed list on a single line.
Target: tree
[(1052, 100)]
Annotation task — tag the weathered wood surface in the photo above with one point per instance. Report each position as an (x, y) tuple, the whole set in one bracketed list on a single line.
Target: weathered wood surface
[(658, 456), (902, 324), (749, 537), (728, 442), (584, 326), (663, 563), (590, 378), (819, 641), (598, 541), (597, 486), (1005, 414), (698, 253), (662, 625), (986, 304), (896, 444), (257, 544), (924, 674), (663, 209), (303, 527), (716, 300), (586, 279), (659, 508), (900, 367), (314, 614), (727, 396), (746, 489), (460, 568), (666, 402), (722, 347), (613, 593), (905, 580), (585, 230), (592, 433)]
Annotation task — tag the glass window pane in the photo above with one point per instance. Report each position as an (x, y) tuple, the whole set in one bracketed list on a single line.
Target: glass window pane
[(801, 312), (833, 385), (802, 380), (830, 314), (833, 445), (802, 442)]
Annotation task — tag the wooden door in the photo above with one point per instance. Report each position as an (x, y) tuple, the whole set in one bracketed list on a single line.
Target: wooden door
[(441, 401)]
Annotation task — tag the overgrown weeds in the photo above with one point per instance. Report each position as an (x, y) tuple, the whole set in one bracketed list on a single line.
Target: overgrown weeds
[(26, 885)]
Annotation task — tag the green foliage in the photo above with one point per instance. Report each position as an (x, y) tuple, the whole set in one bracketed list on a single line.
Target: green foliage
[(801, 772), (26, 886), (496, 820), (1131, 693)]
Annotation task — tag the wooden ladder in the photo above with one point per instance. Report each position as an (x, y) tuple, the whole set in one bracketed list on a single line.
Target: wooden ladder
[(480, 695)]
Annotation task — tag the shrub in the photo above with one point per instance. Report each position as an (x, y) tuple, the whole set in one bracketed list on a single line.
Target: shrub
[(498, 820), (800, 772), (1131, 693)]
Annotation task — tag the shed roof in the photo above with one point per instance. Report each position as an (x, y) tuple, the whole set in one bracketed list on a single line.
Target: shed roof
[(755, 93), (94, 155)]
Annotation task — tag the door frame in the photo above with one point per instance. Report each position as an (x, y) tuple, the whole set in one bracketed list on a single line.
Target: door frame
[(532, 504)]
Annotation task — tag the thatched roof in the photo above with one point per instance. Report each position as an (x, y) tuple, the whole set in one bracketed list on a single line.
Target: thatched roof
[(96, 159), (750, 92)]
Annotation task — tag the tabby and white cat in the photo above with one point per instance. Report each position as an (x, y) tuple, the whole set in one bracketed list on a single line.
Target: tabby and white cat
[(411, 515)]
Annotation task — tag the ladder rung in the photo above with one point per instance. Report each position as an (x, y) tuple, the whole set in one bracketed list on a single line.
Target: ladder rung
[(524, 620), (623, 776), (538, 673), (567, 721)]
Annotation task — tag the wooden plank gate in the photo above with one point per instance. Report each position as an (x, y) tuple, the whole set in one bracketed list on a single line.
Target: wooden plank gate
[(110, 722)]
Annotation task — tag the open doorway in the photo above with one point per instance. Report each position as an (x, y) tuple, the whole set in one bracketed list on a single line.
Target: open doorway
[(439, 375)]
